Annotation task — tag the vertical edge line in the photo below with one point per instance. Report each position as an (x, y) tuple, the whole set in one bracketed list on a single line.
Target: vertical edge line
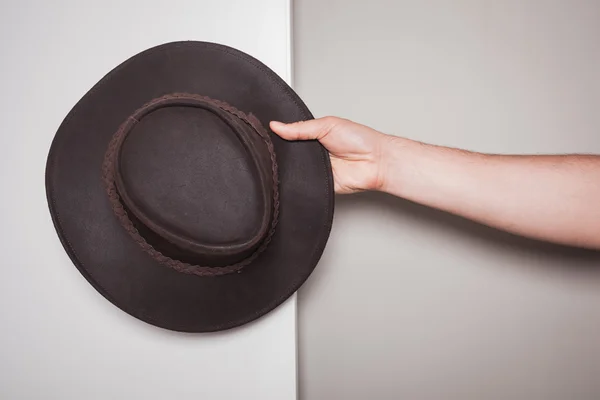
[(289, 18), (290, 73), (290, 41)]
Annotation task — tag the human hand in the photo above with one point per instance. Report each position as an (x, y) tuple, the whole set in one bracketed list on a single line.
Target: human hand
[(357, 152)]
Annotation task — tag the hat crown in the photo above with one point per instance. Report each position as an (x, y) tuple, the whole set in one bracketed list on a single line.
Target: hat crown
[(196, 182)]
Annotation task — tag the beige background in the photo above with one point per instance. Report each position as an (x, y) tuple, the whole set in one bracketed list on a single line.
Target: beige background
[(415, 304)]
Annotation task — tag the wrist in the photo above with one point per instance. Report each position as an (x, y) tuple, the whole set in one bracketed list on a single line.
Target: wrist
[(394, 152)]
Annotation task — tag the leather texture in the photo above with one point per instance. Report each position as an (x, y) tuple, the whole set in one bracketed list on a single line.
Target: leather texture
[(176, 202), (162, 189)]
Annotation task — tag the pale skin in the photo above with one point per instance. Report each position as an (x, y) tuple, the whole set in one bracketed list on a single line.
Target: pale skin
[(554, 198)]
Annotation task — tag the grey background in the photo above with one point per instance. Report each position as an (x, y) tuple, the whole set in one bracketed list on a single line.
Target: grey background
[(416, 304)]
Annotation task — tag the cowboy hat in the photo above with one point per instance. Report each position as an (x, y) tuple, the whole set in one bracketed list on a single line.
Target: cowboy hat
[(173, 198)]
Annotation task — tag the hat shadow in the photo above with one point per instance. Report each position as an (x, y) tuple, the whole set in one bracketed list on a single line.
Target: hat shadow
[(582, 259)]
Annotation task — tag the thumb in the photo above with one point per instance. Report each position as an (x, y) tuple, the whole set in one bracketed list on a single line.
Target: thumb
[(303, 130)]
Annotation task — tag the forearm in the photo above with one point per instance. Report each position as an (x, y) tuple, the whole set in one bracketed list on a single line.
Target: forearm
[(552, 198)]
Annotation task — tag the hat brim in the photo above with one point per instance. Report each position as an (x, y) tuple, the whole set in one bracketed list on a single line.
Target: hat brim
[(114, 264)]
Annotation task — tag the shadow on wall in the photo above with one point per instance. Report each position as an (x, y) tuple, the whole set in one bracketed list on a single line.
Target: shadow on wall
[(577, 260)]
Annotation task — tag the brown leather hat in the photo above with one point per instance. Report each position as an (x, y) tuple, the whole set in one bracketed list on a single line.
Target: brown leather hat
[(174, 199)]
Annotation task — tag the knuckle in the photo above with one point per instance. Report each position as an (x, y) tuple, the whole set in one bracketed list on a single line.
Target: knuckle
[(330, 120)]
